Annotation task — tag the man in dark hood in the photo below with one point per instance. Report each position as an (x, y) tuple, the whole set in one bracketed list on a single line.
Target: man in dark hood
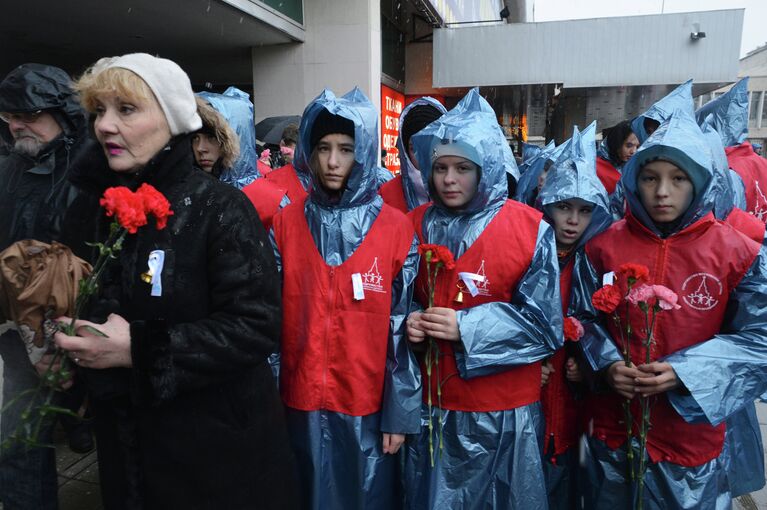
[(42, 128)]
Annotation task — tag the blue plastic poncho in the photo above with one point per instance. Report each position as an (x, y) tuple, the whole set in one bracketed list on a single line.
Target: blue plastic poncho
[(529, 151), (340, 456), (572, 176), (415, 192), (671, 485), (728, 114), (490, 459), (235, 106), (678, 99), (527, 185)]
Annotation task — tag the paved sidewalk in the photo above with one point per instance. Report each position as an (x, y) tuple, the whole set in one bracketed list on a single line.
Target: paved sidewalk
[(756, 500), (79, 477)]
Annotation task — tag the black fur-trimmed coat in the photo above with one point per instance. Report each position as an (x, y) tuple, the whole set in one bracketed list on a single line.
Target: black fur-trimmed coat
[(197, 422)]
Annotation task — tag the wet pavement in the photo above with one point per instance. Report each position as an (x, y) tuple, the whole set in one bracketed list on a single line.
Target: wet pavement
[(756, 500), (79, 477)]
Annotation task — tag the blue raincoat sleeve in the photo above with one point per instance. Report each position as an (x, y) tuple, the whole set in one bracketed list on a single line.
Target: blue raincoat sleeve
[(401, 413), (496, 336), (596, 345), (724, 374)]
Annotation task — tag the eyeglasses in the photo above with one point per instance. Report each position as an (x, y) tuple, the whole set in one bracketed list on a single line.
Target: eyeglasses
[(24, 117)]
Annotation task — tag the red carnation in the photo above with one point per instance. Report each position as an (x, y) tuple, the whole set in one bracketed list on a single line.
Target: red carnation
[(573, 329), (155, 204), (633, 273), (607, 298), (128, 206), (436, 254)]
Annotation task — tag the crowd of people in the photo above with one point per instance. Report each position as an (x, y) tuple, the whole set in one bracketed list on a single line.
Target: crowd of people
[(322, 336)]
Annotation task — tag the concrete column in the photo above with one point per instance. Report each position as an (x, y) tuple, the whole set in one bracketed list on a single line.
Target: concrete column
[(342, 49)]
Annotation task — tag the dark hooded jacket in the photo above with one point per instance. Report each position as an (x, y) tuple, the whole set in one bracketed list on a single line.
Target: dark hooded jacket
[(34, 192), (196, 422)]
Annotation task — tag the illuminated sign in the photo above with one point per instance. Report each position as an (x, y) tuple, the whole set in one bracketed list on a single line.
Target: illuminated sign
[(392, 103)]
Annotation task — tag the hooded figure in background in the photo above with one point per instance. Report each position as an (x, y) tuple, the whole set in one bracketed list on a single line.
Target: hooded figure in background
[(502, 308), (719, 276), (728, 115), (530, 181), (574, 202), (407, 191), (235, 106), (529, 152), (618, 145), (216, 146), (45, 130), (347, 376), (678, 99)]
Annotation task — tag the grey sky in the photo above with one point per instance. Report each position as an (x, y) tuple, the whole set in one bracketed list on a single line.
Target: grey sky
[(754, 21)]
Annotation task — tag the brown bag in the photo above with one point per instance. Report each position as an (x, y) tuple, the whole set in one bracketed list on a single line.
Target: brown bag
[(38, 280)]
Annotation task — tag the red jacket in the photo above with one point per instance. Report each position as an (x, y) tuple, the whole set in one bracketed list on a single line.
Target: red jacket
[(286, 179), (746, 224), (266, 198), (393, 194), (560, 408), (502, 253), (752, 168), (263, 168), (607, 174), (334, 346), (703, 263)]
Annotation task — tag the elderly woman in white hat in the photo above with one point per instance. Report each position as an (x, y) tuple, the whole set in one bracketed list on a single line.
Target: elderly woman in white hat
[(187, 413)]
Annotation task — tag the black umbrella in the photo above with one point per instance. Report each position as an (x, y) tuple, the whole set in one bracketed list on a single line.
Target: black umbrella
[(270, 129)]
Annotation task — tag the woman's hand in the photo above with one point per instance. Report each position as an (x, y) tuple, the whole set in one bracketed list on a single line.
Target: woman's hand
[(657, 377), (546, 371), (573, 371), (440, 323), (623, 379), (93, 351), (392, 442)]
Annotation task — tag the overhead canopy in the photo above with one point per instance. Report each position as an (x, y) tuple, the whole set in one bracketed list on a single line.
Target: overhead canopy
[(210, 39), (604, 52)]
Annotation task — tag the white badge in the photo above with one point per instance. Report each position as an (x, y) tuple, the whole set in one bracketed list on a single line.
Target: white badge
[(468, 279), (359, 292), (156, 262), (608, 278)]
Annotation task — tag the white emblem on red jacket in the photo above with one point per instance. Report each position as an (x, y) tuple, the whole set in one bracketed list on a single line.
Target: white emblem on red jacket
[(701, 291), (372, 279), (760, 208)]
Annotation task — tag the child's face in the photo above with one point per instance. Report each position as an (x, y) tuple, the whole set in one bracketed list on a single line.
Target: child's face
[(570, 218), (665, 191), (455, 180), (335, 156)]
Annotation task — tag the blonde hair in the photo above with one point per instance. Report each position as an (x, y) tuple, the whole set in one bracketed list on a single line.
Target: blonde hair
[(215, 123), (114, 80)]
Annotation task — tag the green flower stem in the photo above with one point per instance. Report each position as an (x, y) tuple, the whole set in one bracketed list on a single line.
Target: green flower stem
[(645, 405)]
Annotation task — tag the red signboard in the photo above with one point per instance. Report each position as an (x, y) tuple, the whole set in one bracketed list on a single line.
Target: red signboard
[(392, 103)]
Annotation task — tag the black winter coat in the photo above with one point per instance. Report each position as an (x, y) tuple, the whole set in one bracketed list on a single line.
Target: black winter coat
[(197, 422)]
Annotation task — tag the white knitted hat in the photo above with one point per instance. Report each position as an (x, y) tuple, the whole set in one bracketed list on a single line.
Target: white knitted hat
[(170, 84)]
